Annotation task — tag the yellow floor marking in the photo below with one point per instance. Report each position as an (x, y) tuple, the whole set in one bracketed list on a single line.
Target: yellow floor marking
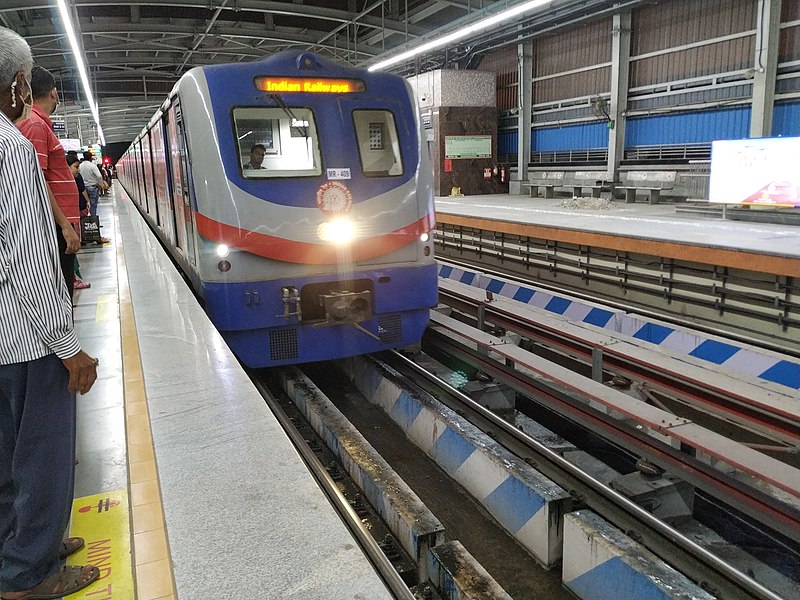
[(103, 521), (151, 560), (106, 308)]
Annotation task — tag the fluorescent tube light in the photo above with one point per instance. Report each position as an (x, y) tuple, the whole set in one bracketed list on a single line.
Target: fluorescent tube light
[(76, 51), (461, 33)]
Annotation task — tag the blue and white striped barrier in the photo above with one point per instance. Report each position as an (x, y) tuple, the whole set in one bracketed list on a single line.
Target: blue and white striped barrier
[(408, 518), (456, 575), (527, 504), (602, 563), (763, 364)]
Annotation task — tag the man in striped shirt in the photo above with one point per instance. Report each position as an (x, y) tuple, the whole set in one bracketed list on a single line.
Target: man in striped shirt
[(62, 190), (42, 365)]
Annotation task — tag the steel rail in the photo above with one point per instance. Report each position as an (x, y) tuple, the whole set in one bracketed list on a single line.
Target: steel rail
[(694, 560), (721, 402), (752, 501), (349, 517)]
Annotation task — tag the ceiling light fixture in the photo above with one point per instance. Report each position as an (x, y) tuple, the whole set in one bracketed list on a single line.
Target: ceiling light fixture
[(461, 33), (76, 51)]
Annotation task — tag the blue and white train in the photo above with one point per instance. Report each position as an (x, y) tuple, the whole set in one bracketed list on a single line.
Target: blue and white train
[(296, 194)]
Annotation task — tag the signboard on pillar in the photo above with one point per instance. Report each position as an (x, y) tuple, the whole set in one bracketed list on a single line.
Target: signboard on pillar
[(467, 146), (761, 171), (59, 125)]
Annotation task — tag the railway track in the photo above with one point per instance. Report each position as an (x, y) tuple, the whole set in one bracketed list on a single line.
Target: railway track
[(581, 489), (768, 413)]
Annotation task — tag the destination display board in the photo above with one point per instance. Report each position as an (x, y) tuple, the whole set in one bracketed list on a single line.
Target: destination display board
[(467, 146), (761, 171)]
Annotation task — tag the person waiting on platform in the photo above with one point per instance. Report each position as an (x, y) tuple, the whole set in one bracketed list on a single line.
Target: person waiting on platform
[(42, 365), (93, 180), (61, 186), (257, 154)]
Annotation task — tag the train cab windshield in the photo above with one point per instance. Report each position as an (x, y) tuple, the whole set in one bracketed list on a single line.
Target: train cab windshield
[(276, 142)]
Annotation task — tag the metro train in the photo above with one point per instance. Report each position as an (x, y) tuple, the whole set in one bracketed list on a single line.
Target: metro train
[(296, 194)]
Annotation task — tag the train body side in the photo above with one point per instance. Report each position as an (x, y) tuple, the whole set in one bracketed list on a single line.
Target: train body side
[(277, 291)]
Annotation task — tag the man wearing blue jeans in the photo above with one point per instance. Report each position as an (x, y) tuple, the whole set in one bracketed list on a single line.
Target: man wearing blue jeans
[(93, 180), (42, 365)]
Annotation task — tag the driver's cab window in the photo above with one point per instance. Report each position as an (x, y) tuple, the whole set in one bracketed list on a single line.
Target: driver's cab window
[(277, 142)]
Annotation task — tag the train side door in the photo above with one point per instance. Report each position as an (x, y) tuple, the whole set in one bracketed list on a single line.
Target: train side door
[(150, 175), (168, 179), (182, 179), (176, 179)]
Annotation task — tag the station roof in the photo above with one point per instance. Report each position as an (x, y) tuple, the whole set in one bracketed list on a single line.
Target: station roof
[(136, 51)]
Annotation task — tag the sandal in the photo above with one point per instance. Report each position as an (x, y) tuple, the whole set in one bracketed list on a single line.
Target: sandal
[(80, 284), (67, 581), (69, 546)]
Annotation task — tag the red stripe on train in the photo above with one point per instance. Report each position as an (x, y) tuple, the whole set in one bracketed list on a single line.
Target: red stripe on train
[(305, 253)]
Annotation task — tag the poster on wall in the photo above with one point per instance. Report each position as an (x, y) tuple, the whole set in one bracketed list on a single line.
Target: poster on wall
[(761, 171), (467, 146)]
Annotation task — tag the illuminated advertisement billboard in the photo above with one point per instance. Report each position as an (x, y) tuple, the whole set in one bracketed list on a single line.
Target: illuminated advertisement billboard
[(762, 171)]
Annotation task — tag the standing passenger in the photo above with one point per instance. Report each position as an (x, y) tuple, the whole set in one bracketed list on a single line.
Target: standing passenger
[(60, 184), (42, 365), (83, 205), (93, 180)]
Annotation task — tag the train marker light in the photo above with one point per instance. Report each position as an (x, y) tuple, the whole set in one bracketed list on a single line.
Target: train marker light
[(339, 231), (223, 250), (224, 266)]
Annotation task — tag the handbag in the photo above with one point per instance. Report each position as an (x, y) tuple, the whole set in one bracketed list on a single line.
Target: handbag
[(90, 230)]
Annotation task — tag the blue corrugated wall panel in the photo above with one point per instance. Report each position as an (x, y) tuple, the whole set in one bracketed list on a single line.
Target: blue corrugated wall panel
[(684, 128), (507, 142), (570, 137), (786, 119), (689, 128)]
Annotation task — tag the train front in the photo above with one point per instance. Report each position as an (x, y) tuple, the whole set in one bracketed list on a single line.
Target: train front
[(314, 210)]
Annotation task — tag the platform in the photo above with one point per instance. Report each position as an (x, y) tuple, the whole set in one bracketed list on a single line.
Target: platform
[(643, 228), (187, 487)]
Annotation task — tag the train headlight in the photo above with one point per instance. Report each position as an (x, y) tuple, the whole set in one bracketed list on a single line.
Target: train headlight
[(424, 238), (338, 231), (223, 250)]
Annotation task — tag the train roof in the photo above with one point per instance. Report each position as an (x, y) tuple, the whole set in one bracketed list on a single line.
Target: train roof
[(288, 63)]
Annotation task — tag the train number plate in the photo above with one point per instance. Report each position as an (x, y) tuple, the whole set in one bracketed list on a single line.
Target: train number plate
[(338, 173)]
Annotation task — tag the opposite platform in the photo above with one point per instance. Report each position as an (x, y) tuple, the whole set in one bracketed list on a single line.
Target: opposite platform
[(646, 229)]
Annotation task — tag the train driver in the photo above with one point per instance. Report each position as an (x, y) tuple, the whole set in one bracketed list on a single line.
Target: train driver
[(257, 153)]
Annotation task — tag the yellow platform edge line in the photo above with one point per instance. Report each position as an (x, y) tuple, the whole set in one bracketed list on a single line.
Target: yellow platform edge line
[(151, 558), (106, 521)]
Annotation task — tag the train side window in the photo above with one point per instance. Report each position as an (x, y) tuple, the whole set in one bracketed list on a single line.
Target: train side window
[(276, 142), (378, 143)]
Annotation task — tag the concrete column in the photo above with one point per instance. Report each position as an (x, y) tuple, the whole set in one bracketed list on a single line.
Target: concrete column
[(766, 67), (620, 68), (525, 103)]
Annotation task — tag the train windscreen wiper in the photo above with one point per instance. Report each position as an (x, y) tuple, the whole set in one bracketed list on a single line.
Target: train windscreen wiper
[(279, 101)]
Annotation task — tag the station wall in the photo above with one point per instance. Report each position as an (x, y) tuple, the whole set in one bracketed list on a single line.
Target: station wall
[(691, 78)]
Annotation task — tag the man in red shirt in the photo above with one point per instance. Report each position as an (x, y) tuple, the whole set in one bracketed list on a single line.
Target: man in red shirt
[(61, 185)]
